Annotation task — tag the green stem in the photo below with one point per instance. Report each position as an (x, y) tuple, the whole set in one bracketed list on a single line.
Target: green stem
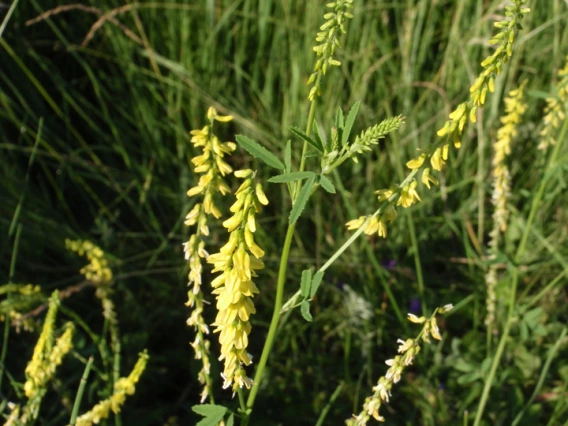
[(9, 296), (518, 257), (8, 16), (274, 323), (279, 285), (329, 404), (291, 302), (80, 392), (543, 373)]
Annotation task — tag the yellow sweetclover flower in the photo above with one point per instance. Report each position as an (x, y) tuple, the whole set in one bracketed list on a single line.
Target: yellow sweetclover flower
[(554, 111), (408, 195), (452, 130), (407, 349), (210, 163), (47, 356), (125, 386), (238, 260), (97, 270)]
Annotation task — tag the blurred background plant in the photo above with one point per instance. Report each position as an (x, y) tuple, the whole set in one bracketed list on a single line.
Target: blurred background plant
[(96, 102)]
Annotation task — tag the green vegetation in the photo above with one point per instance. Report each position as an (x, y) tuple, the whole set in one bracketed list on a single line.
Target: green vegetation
[(96, 104)]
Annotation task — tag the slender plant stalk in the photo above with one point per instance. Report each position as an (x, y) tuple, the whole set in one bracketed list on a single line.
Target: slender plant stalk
[(515, 278), (80, 392), (327, 407), (543, 373), (8, 16), (279, 285), (9, 295)]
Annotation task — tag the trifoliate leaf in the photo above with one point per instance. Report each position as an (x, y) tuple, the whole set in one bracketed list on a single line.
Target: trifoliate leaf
[(305, 309), (291, 177), (327, 184), (258, 151), (302, 199)]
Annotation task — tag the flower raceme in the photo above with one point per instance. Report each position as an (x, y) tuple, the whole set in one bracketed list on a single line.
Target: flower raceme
[(436, 155), (555, 109), (408, 349), (238, 260), (514, 108), (211, 164), (328, 36)]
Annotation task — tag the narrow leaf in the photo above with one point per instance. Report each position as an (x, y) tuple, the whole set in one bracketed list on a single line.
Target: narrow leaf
[(349, 122), (320, 134), (339, 120), (305, 309), (327, 184), (288, 157), (316, 281), (291, 177), (260, 152), (302, 199), (231, 420), (316, 144), (305, 283)]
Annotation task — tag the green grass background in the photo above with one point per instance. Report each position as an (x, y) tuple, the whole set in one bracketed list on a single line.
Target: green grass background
[(112, 165)]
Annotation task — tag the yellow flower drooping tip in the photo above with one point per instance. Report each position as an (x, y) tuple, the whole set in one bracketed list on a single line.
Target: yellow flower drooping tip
[(238, 260)]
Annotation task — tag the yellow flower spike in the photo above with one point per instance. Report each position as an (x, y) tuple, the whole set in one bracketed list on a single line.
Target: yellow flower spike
[(514, 108), (124, 387), (97, 270), (211, 165), (328, 39), (554, 111), (355, 223), (408, 349), (238, 262)]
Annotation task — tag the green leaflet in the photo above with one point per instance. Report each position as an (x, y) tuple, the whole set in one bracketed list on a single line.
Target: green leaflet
[(315, 143), (306, 283), (302, 199), (291, 177), (288, 156), (305, 309), (213, 414), (260, 152), (327, 184), (316, 281), (349, 122)]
